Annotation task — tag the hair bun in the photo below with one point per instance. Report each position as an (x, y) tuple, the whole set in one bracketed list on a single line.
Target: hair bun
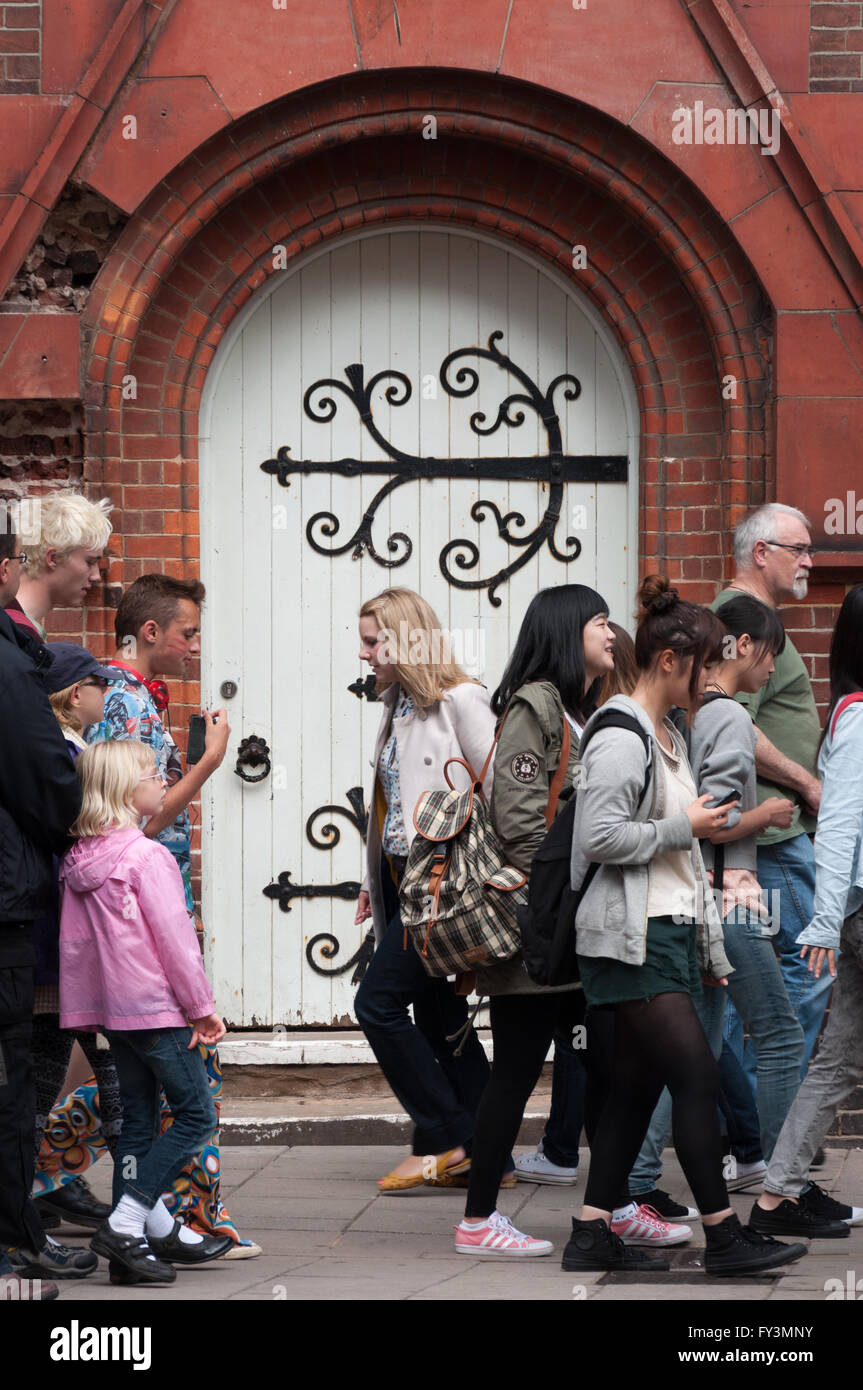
[(657, 595)]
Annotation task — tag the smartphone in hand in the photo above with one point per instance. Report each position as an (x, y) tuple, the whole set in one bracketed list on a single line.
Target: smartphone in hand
[(197, 737), (726, 800)]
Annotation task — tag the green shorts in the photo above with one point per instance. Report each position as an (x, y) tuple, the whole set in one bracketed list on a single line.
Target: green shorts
[(670, 966)]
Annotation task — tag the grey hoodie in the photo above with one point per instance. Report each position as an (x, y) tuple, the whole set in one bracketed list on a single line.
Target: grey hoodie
[(623, 838)]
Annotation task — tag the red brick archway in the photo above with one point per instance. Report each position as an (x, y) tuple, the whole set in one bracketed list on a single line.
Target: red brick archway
[(662, 268)]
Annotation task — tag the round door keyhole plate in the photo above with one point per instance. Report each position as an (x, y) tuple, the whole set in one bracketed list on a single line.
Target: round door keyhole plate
[(228, 690)]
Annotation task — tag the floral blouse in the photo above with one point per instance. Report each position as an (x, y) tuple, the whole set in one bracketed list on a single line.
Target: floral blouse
[(394, 838)]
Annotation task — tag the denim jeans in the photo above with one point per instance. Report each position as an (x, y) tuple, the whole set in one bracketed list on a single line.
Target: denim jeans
[(440, 1092), (837, 1069), (647, 1168), (758, 993), (736, 1098), (787, 873), (147, 1162), (566, 1116)]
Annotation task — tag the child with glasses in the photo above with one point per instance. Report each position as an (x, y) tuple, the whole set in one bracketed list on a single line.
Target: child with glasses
[(130, 966)]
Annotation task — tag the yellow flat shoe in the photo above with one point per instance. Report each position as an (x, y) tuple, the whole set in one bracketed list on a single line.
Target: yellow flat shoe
[(457, 1175), (393, 1182)]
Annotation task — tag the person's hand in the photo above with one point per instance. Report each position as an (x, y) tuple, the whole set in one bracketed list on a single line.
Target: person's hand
[(706, 820), (364, 908), (810, 791), (817, 958), (712, 980), (778, 811), (216, 736), (741, 886), (207, 1030)]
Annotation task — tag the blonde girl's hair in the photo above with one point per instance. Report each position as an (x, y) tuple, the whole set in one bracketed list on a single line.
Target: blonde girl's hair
[(109, 773), (61, 704), (417, 645)]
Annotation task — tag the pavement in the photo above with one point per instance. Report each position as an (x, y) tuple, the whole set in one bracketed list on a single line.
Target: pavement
[(327, 1234)]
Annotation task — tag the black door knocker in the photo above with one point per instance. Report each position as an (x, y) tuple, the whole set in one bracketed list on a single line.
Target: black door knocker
[(253, 752)]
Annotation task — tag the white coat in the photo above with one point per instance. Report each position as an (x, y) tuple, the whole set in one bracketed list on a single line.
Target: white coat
[(461, 725)]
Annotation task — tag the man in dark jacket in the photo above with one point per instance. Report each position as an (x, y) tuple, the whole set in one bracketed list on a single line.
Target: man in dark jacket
[(39, 799)]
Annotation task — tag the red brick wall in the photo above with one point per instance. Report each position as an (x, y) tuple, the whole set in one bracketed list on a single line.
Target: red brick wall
[(20, 47), (836, 46)]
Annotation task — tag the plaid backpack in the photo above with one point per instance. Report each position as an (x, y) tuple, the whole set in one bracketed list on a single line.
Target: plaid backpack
[(458, 897)]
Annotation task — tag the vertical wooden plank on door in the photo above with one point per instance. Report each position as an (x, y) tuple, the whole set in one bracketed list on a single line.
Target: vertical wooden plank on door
[(288, 668), (463, 292), (254, 638), (521, 344), (615, 522), (434, 343), (222, 569), (320, 493), (578, 430), (344, 862), (491, 632)]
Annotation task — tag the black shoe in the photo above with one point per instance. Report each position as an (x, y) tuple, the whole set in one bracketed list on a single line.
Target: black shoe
[(593, 1246), (735, 1249), (76, 1204), (179, 1252), (797, 1219), (819, 1159), (134, 1253), (665, 1205), (827, 1207)]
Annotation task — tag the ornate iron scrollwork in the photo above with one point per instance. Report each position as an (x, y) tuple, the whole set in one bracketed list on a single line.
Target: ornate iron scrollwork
[(555, 469), (364, 687), (284, 891)]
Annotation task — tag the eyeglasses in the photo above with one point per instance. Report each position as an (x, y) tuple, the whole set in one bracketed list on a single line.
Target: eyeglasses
[(150, 776), (100, 681), (22, 557), (798, 549)]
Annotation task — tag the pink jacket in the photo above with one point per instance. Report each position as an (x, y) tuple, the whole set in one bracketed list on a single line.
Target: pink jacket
[(129, 956)]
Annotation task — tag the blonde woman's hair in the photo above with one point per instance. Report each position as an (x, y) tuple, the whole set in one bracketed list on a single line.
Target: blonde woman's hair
[(61, 704), (67, 522), (415, 644), (109, 773)]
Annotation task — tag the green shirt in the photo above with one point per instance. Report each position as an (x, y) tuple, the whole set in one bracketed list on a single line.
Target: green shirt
[(784, 710)]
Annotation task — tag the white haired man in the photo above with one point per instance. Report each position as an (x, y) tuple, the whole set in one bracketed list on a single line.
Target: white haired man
[(773, 558), (63, 563)]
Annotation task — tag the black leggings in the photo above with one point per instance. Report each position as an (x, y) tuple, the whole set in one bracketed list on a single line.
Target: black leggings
[(659, 1042), (523, 1026), (52, 1049)]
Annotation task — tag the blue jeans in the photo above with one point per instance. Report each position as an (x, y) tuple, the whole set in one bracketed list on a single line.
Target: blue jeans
[(645, 1172), (440, 1092), (146, 1161), (736, 1098), (787, 873), (758, 993)]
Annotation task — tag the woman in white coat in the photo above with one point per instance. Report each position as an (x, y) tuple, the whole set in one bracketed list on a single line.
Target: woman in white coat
[(431, 711)]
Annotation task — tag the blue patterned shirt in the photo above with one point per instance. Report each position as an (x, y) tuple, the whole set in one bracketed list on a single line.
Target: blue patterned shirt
[(394, 838)]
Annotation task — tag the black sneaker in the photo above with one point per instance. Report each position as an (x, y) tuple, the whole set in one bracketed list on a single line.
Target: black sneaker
[(665, 1205), (735, 1249), (593, 1246), (75, 1204), (796, 1219), (827, 1207), (61, 1261)]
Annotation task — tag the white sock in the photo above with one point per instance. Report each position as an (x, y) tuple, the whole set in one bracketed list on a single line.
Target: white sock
[(623, 1213), (188, 1236), (129, 1217), (160, 1222)]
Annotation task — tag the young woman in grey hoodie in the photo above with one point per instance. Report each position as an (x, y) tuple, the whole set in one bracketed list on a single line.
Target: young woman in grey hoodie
[(647, 932)]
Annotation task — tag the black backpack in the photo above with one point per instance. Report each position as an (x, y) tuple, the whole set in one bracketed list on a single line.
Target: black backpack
[(547, 922)]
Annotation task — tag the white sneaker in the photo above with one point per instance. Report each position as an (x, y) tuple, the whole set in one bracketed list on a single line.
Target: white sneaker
[(644, 1226), (744, 1174), (498, 1236), (536, 1167)]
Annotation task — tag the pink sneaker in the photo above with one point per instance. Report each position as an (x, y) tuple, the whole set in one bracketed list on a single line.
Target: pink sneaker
[(644, 1226), (498, 1236)]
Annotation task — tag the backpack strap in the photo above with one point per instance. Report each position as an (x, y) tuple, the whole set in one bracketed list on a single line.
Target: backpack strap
[(618, 719), (842, 706), (559, 777)]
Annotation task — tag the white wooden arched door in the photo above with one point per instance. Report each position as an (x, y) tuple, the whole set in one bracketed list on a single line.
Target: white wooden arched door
[(281, 617)]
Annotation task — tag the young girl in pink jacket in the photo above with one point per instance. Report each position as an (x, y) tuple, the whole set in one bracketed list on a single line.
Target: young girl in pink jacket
[(131, 968)]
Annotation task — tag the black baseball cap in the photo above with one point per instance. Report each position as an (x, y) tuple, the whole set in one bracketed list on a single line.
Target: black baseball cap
[(71, 664)]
